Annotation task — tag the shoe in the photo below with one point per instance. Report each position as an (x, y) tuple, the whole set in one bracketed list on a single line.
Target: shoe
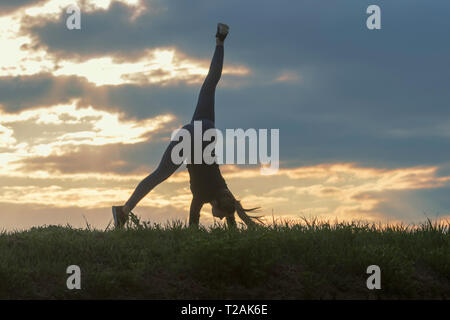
[(222, 31), (120, 217)]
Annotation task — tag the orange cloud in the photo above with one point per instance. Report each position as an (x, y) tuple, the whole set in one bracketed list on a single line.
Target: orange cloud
[(292, 193), (59, 130), (162, 65)]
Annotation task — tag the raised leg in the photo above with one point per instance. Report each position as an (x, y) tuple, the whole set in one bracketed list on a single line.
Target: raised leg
[(205, 104)]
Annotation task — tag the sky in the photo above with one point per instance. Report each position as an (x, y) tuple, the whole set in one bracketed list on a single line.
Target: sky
[(363, 114)]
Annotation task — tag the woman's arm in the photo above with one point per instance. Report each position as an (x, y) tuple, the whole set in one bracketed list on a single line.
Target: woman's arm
[(194, 214)]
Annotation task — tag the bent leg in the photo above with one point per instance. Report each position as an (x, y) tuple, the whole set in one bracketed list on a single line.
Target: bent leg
[(194, 212), (165, 169), (205, 104)]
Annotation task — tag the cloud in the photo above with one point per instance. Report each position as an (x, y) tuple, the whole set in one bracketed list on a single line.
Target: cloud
[(25, 216), (8, 6), (331, 115), (341, 191), (22, 56), (131, 101), (288, 76), (68, 125), (84, 159), (52, 9), (45, 90), (158, 66), (6, 137), (51, 133)]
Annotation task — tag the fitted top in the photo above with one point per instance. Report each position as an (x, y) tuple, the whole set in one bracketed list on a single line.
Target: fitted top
[(205, 179)]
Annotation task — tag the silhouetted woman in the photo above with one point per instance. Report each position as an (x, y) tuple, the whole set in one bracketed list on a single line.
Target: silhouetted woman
[(206, 181)]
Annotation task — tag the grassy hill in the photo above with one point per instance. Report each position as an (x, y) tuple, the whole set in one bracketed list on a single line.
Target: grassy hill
[(310, 261)]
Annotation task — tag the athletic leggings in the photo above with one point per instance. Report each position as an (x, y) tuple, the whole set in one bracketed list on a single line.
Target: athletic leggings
[(203, 112)]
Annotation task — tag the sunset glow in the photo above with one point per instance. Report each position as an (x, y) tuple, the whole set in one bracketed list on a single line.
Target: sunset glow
[(80, 127)]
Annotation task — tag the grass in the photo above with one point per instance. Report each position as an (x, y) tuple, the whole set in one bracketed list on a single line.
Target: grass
[(282, 261)]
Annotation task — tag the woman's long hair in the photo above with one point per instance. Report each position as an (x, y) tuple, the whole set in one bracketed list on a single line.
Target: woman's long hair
[(228, 203), (250, 221)]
